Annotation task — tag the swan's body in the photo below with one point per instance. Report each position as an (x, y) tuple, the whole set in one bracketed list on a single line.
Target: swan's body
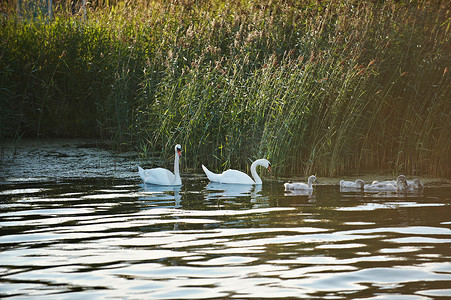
[(392, 186), (358, 184), (375, 182), (161, 176), (383, 187), (300, 185), (415, 185), (237, 177)]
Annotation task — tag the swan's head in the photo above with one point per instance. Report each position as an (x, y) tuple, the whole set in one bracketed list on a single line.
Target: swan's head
[(178, 150), (360, 183), (312, 179), (264, 163), (403, 181), (417, 183), (401, 178)]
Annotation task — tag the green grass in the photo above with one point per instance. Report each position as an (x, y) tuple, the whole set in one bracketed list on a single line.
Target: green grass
[(327, 87)]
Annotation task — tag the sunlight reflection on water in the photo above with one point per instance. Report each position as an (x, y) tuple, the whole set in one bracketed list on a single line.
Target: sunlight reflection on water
[(153, 242), (105, 238)]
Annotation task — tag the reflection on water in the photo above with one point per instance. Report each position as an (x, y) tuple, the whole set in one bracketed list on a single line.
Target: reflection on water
[(118, 238), (308, 193), (161, 195), (115, 238), (231, 191)]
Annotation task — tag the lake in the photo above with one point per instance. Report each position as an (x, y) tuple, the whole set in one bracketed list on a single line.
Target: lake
[(77, 222)]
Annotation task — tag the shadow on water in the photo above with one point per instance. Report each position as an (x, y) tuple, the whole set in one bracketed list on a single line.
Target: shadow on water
[(104, 234)]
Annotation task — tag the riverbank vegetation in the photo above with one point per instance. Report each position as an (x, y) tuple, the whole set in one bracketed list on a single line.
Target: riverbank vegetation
[(327, 87)]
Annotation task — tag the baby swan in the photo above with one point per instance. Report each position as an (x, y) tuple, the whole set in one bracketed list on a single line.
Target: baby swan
[(415, 185), (358, 184), (399, 185), (301, 185)]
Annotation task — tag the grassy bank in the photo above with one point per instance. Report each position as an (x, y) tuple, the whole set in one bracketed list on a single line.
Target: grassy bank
[(326, 87)]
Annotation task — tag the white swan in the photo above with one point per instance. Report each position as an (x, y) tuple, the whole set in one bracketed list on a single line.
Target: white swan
[(238, 177), (161, 176), (399, 185), (358, 184), (301, 185)]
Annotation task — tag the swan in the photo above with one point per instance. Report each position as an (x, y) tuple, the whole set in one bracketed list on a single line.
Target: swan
[(394, 182), (358, 184), (384, 187), (161, 176), (301, 185), (237, 177), (399, 185), (403, 184), (415, 185)]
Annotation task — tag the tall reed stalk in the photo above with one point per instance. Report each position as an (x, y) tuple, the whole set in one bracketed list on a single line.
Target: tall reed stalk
[(328, 87)]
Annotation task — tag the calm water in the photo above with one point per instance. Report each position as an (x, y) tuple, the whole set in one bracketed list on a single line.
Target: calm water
[(76, 222)]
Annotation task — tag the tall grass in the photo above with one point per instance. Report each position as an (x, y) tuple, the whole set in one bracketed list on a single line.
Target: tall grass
[(328, 87)]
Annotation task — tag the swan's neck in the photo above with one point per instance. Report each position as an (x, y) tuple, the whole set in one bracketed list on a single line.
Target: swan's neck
[(400, 184), (310, 180), (178, 180), (257, 178)]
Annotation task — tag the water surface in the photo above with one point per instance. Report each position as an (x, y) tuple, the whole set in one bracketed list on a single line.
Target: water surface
[(77, 222)]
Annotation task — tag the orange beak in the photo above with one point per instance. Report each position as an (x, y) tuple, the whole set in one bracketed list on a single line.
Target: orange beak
[(269, 168), (179, 152)]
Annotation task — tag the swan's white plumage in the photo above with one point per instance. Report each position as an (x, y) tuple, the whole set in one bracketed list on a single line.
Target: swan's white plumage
[(229, 176), (158, 176), (296, 186), (161, 176), (301, 185), (237, 177), (358, 184)]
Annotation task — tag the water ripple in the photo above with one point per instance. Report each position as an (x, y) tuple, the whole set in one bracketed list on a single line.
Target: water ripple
[(121, 240)]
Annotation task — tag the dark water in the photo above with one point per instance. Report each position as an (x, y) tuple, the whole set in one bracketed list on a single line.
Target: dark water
[(76, 222)]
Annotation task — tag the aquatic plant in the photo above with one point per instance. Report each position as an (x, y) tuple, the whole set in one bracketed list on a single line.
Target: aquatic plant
[(325, 87)]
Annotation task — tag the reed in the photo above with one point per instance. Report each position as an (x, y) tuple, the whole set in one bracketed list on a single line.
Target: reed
[(327, 87)]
